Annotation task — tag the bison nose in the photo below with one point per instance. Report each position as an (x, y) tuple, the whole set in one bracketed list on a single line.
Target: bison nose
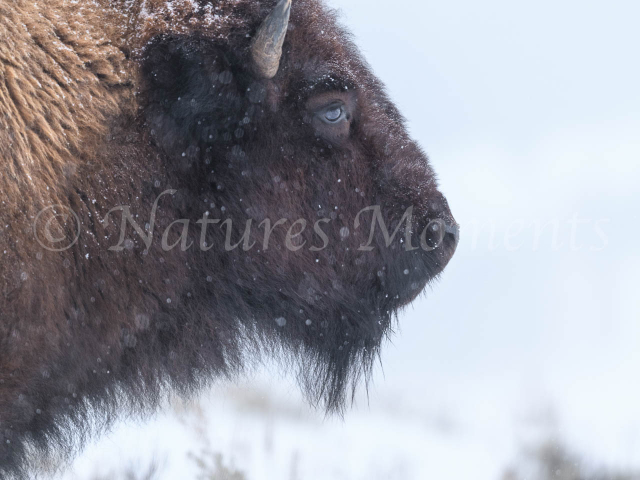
[(443, 229)]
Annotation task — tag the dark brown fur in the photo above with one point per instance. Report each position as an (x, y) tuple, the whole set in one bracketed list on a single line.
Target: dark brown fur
[(112, 104)]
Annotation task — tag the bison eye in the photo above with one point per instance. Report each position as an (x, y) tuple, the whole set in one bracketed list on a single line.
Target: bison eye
[(333, 113)]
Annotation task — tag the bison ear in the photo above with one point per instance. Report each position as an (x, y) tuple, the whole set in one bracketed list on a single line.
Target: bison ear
[(266, 48)]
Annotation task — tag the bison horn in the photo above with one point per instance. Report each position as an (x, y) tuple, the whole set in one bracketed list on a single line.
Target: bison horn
[(266, 48)]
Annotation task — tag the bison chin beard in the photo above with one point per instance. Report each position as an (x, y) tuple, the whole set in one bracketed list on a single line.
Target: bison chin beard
[(331, 349), (331, 366)]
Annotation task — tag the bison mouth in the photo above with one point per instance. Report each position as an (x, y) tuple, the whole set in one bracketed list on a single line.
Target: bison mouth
[(409, 276)]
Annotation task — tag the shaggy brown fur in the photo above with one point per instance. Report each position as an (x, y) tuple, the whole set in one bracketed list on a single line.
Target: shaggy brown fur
[(111, 103)]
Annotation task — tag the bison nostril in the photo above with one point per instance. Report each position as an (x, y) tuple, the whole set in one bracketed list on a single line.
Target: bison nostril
[(453, 230)]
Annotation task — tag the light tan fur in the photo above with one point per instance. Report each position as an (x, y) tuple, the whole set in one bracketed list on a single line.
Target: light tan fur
[(60, 79)]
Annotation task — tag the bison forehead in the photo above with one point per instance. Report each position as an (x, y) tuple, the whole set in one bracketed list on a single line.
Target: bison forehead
[(149, 17), (315, 40)]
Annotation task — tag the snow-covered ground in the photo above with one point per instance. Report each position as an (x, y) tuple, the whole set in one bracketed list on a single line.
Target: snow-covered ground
[(275, 436), (530, 113)]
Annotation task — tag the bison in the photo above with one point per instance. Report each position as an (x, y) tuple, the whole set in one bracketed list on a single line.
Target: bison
[(187, 186)]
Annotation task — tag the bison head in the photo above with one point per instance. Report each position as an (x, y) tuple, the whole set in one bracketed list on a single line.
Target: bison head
[(286, 125)]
